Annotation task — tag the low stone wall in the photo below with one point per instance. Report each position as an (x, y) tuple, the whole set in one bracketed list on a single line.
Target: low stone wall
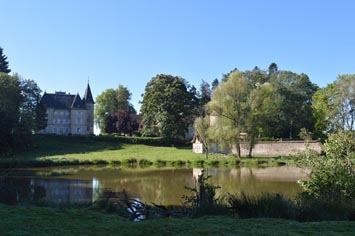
[(271, 148), (280, 148)]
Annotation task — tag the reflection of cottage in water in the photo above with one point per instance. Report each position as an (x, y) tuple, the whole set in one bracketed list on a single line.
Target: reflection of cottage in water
[(65, 191)]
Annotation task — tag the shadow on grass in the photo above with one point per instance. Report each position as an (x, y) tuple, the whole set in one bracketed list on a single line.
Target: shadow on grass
[(57, 145), (52, 145)]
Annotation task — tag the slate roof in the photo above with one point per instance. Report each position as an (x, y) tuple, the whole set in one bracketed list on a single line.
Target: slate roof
[(88, 96), (61, 100)]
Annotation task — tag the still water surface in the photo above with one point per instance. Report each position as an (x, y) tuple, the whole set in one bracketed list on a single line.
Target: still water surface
[(76, 185)]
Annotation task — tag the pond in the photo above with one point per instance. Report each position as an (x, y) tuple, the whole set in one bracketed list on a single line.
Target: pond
[(79, 185)]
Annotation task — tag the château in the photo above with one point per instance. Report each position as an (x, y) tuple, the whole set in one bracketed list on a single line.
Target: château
[(69, 114)]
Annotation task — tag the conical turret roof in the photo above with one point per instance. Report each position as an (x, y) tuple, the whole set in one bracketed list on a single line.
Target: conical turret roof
[(88, 96)]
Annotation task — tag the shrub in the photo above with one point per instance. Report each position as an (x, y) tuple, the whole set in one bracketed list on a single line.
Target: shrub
[(204, 200), (340, 144), (332, 179)]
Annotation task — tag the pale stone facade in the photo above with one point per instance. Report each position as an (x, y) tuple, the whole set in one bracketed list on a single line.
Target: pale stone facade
[(269, 148), (197, 146), (69, 114)]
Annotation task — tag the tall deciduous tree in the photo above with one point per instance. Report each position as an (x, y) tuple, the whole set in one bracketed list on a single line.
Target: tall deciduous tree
[(33, 115), (296, 91), (4, 64), (264, 105), (20, 110), (125, 122), (32, 111), (334, 105), (230, 105), (10, 100), (202, 125), (109, 102), (168, 107)]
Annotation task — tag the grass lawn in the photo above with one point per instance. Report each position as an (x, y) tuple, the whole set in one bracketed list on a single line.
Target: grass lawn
[(66, 150), (31, 220)]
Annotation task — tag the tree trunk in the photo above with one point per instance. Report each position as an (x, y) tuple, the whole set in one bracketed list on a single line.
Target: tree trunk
[(237, 146), (251, 144)]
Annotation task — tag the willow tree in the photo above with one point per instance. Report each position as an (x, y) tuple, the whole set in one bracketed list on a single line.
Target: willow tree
[(230, 106), (202, 125)]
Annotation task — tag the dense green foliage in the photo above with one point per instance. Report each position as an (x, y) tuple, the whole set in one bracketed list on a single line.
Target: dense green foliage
[(168, 107), (333, 177), (230, 104), (21, 112), (260, 103), (112, 109), (296, 104), (10, 100), (334, 105), (4, 64), (204, 96), (202, 125)]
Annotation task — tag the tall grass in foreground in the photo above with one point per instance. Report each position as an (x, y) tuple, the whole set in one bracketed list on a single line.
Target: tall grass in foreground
[(203, 201), (300, 209), (238, 206)]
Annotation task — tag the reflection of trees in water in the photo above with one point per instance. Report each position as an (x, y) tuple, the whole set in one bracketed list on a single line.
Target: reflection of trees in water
[(161, 186), (14, 190), (58, 191), (64, 191), (254, 181)]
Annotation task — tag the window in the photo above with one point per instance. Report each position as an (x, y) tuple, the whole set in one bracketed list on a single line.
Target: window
[(54, 130), (61, 113), (78, 130), (54, 121)]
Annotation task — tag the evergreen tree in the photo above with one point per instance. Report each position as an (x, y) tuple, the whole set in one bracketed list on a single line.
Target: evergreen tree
[(204, 96), (4, 64), (215, 84)]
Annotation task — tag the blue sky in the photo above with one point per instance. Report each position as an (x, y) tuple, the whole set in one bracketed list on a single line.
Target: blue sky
[(60, 44)]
